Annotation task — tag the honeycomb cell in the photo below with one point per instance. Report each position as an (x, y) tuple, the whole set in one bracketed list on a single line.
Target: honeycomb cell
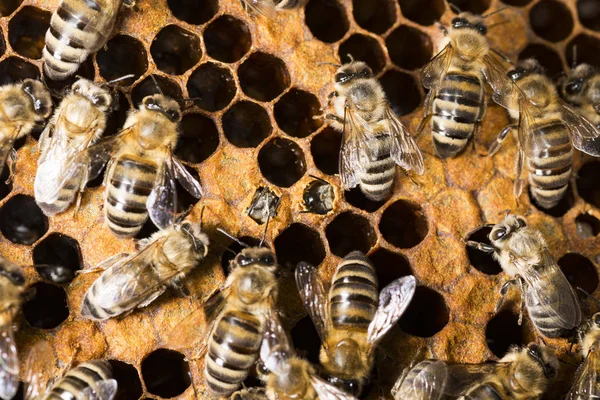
[(128, 380), (306, 340), (403, 224), (166, 373), (326, 19), (579, 271), (589, 13), (22, 221), (587, 225), (551, 20), (348, 232), (357, 198), (409, 48), (57, 257), (227, 39), (122, 55), (26, 31), (48, 306), (588, 50), (246, 124), (294, 113), (401, 91), (561, 208), (211, 86), (148, 87), (587, 183), (198, 140), (15, 69), (363, 48), (85, 70), (195, 12), (389, 266), (503, 331), (7, 7), (298, 243), (474, 6), (234, 248), (376, 16), (175, 50), (481, 261), (325, 150), (423, 12), (117, 117), (547, 57), (426, 315), (263, 76), (281, 162)]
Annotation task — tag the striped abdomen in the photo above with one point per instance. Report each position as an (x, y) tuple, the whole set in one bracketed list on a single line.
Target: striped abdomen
[(354, 294), (232, 351), (377, 180), (457, 107), (78, 379), (130, 182), (550, 169), (66, 194)]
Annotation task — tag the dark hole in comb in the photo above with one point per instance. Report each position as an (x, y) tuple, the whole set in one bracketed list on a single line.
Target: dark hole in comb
[(227, 39), (306, 340), (26, 31), (348, 232), (588, 50), (551, 20), (560, 209), (147, 87), (128, 380), (357, 198), (479, 260), (22, 221), (246, 124), (175, 50), (166, 373), (48, 307), (389, 266), (58, 257), (423, 12), (426, 315), (233, 249), (290, 253), (587, 225), (589, 13), (281, 162), (363, 48), (588, 185), (15, 69), (474, 6), (195, 12), (503, 331), (401, 91), (326, 20), (403, 224), (294, 113), (198, 140), (7, 7), (325, 149), (409, 48), (122, 55), (579, 271), (263, 76), (376, 16), (547, 57), (212, 86)]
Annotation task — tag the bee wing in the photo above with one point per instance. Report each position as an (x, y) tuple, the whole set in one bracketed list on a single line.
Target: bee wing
[(355, 148), (326, 391), (585, 385), (506, 92), (462, 377), (186, 179), (404, 151), (40, 368), (532, 145), (106, 391), (9, 364), (428, 384), (261, 7), (584, 135), (433, 72), (314, 297), (275, 349)]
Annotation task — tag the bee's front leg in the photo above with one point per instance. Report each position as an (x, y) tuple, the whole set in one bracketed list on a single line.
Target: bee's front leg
[(503, 292)]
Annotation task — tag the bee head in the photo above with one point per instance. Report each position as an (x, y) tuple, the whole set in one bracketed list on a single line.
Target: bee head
[(544, 357), (353, 70), (99, 96), (574, 83), (467, 20), (502, 231), (318, 197), (163, 104), (525, 68), (256, 255), (198, 239), (40, 97)]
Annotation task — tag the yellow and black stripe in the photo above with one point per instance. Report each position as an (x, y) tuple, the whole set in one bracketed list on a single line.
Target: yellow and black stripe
[(78, 379), (66, 195), (377, 180)]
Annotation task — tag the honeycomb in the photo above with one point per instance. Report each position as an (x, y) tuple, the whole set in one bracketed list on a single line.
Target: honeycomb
[(257, 85)]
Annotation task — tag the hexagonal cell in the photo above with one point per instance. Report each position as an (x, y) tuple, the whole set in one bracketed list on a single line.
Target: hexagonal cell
[(376, 16), (423, 12), (589, 13), (298, 243), (588, 50), (22, 221), (587, 225), (294, 113), (306, 340), (403, 224), (389, 266), (325, 150), (474, 6), (47, 308), (409, 48), (549, 59), (551, 20), (481, 261), (7, 7), (227, 39), (194, 12), (579, 271), (558, 210), (166, 373), (358, 199), (148, 87), (246, 124), (402, 92), (85, 70), (363, 48), (26, 31), (233, 249), (198, 140), (211, 86), (175, 50), (57, 257), (122, 55), (504, 331), (15, 69), (326, 19), (128, 380), (281, 162), (348, 232), (426, 315), (263, 76), (587, 183)]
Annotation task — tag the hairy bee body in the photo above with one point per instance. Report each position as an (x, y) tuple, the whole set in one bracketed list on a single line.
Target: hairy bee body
[(86, 376), (582, 89), (377, 180)]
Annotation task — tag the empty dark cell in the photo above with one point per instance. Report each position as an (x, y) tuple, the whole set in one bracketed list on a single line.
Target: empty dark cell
[(185, 201), (263, 76), (199, 138), (306, 340), (561, 208), (376, 16), (474, 6), (175, 50), (128, 380), (363, 48), (423, 12), (166, 373), (589, 13), (5, 188), (147, 87), (549, 59), (481, 261), (148, 229), (403, 224), (246, 124), (357, 198), (15, 69), (401, 91), (57, 257), (409, 48), (211, 86), (426, 315), (22, 221), (587, 225), (7, 7), (325, 150), (2, 43), (122, 55), (195, 12), (502, 332), (349, 232), (294, 113), (48, 306), (117, 117), (579, 271), (389, 266), (26, 31), (551, 20), (588, 50), (326, 20), (234, 248), (281, 162), (85, 70), (298, 243), (517, 3), (588, 184), (227, 39)]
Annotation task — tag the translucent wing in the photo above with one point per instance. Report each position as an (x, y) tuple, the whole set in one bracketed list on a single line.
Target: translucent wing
[(186, 179), (265, 8), (586, 385), (584, 135), (436, 68), (532, 145), (107, 390), (40, 369), (314, 297), (506, 92), (404, 151), (425, 381), (393, 300), (354, 149), (9, 364), (327, 391), (276, 349), (463, 377)]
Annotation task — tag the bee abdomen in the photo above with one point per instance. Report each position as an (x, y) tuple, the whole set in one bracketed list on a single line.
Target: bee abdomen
[(79, 378), (354, 293), (377, 180), (486, 391), (66, 195)]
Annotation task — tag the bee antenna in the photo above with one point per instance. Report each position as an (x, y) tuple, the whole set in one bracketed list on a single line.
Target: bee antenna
[(112, 82), (317, 178), (574, 61), (567, 362), (267, 225), (589, 296), (494, 12), (329, 63), (350, 57), (230, 236), (156, 84), (502, 56), (454, 8), (505, 212), (202, 215)]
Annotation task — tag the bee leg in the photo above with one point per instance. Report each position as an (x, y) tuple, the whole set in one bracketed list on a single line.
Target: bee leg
[(521, 284), (503, 292), (503, 134), (11, 162), (334, 117), (486, 248), (422, 125), (179, 287)]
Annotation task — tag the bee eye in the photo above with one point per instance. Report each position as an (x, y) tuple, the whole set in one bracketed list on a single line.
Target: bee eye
[(149, 102), (573, 88), (498, 234), (596, 319), (173, 115), (28, 87), (516, 73), (459, 22), (341, 77), (481, 29), (549, 371), (521, 222), (243, 260), (99, 101), (268, 260)]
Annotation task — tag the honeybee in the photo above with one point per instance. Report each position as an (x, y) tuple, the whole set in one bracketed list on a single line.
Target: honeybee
[(374, 140), (586, 385), (318, 197), (352, 319), (268, 8), (133, 281), (78, 28), (582, 90), (524, 256), (523, 373), (548, 130), (253, 393)]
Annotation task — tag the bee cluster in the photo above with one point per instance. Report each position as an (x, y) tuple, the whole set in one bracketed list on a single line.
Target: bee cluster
[(260, 110)]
